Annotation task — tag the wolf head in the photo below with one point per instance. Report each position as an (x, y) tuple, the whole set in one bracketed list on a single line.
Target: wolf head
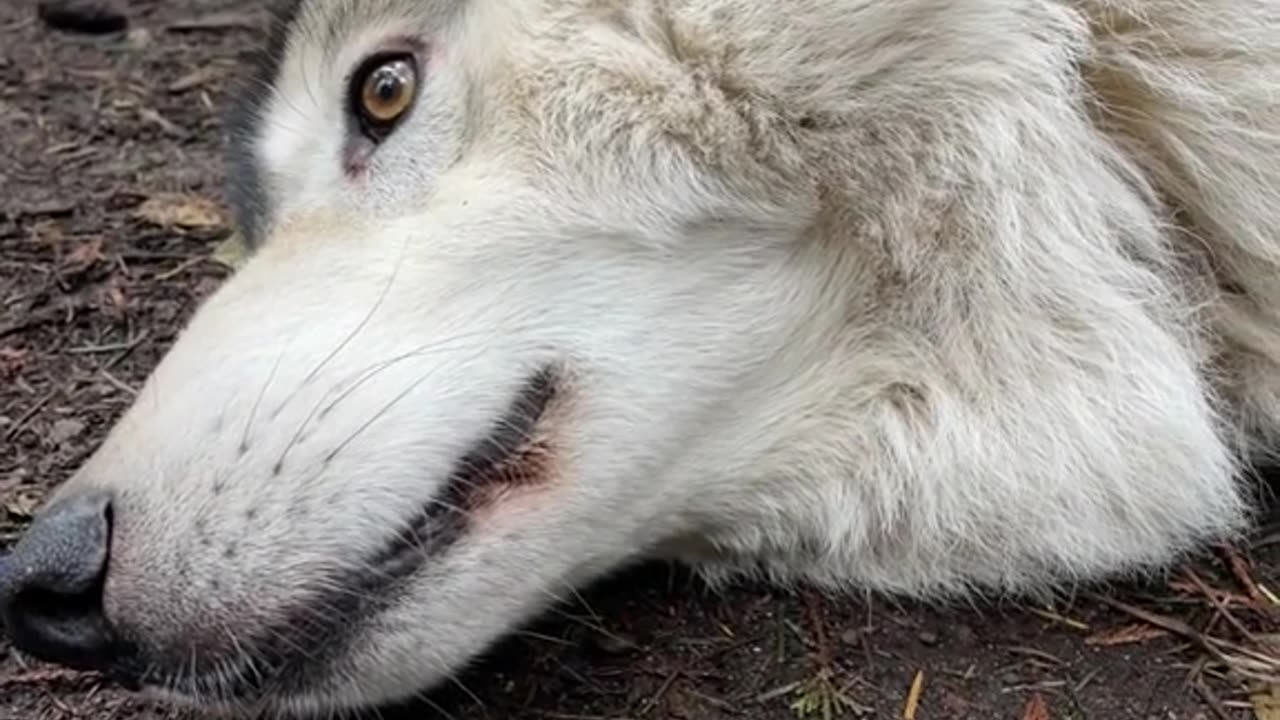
[(850, 291)]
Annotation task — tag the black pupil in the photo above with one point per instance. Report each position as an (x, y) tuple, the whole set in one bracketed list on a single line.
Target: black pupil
[(387, 84)]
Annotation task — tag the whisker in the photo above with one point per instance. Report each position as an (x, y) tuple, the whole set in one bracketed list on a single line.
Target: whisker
[(457, 682), (320, 409), (420, 351), (376, 416), (259, 84), (253, 412), (382, 296), (306, 84)]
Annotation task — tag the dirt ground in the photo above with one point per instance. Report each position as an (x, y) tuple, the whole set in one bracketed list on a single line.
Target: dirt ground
[(104, 137)]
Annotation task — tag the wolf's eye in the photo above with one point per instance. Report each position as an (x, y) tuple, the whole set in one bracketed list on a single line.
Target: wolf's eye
[(382, 92)]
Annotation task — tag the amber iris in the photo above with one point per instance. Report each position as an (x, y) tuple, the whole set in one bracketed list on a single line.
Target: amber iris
[(387, 91)]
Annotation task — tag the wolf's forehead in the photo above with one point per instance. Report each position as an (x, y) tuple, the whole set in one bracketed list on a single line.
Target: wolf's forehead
[(327, 24), (599, 91)]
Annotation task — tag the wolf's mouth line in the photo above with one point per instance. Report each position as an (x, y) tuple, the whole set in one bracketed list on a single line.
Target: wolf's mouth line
[(290, 655), (501, 458)]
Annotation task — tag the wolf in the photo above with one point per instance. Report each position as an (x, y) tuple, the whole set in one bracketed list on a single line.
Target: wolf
[(937, 298)]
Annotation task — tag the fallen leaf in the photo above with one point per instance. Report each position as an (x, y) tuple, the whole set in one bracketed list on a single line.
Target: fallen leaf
[(84, 254), (1036, 709), (176, 209), (1126, 635), (21, 505), (1266, 703), (231, 252)]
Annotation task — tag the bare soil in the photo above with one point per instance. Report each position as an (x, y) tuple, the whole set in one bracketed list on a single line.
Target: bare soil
[(92, 292)]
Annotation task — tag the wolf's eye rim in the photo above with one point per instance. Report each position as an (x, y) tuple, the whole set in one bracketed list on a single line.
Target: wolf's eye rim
[(383, 89)]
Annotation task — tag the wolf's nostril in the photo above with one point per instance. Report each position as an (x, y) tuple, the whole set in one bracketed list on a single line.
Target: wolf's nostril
[(51, 585)]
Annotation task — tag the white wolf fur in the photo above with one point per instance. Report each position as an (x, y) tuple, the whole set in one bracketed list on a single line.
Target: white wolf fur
[(921, 296)]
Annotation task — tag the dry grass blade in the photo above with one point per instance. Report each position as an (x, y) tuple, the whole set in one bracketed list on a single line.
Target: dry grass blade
[(1055, 617), (1219, 605), (1126, 635), (1210, 698), (913, 697), (46, 676), (1243, 574), (1225, 596)]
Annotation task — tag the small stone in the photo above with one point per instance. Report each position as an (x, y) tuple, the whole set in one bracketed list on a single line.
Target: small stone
[(928, 637), (851, 636), (65, 429), (138, 38), (94, 17)]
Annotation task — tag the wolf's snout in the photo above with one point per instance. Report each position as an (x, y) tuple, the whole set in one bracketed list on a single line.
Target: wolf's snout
[(51, 586)]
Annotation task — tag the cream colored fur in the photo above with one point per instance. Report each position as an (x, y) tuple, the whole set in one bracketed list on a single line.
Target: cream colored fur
[(921, 296)]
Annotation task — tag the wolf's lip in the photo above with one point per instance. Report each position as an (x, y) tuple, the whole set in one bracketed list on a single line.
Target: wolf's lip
[(496, 459)]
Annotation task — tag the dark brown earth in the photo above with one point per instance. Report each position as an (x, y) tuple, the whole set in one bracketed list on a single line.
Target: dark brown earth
[(94, 127)]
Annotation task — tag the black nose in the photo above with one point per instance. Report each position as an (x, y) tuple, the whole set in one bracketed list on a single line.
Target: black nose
[(51, 584)]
